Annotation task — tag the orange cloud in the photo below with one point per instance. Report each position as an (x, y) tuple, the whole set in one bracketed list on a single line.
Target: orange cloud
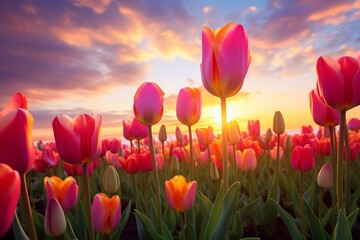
[(98, 6)]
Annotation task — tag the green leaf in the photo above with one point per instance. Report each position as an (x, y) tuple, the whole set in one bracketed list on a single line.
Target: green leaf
[(229, 201), (269, 216), (342, 228), (124, 218), (237, 228), (190, 229), (325, 219), (317, 231), (169, 218), (352, 218), (214, 216), (273, 188), (69, 233), (18, 230), (288, 220)]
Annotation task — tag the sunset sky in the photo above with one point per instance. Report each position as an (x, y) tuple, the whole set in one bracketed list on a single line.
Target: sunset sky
[(86, 56)]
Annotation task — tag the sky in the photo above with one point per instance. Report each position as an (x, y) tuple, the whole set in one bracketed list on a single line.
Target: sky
[(83, 56)]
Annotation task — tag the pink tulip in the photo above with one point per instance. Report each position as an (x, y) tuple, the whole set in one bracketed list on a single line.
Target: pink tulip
[(78, 139), (249, 161), (322, 114), (54, 221), (127, 130), (180, 194), (273, 153), (302, 158), (106, 212), (325, 176), (225, 59), (17, 146), (159, 158), (114, 145), (9, 196), (338, 82), (188, 106), (354, 124), (148, 103), (138, 130), (65, 191)]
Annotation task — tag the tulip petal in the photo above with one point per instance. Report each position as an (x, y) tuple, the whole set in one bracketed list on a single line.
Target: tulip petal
[(189, 196)]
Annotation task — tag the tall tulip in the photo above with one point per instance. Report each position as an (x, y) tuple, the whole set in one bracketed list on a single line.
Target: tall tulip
[(65, 191), (338, 82), (188, 112), (322, 114), (108, 213), (9, 196), (17, 146), (78, 142), (148, 110), (225, 62)]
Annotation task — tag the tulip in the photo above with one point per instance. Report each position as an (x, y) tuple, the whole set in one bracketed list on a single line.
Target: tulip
[(111, 180), (65, 191), (249, 161), (180, 194), (138, 130), (9, 196), (127, 130), (77, 170), (233, 133), (325, 176), (225, 59), (131, 164), (148, 103), (322, 114), (159, 161), (254, 128), (174, 165), (302, 158), (114, 145), (78, 139), (205, 135), (338, 82), (273, 153), (54, 221), (278, 123), (162, 134), (188, 106), (354, 124), (106, 212)]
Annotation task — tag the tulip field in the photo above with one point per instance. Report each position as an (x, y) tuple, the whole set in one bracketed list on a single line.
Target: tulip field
[(196, 184)]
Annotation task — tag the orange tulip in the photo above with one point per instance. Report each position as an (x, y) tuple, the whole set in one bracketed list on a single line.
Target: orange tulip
[(205, 135), (249, 161), (225, 59), (65, 191), (78, 139), (106, 212), (9, 196), (188, 106), (180, 194), (148, 103), (16, 143)]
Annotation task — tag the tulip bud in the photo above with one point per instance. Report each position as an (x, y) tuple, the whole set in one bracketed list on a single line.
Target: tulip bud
[(278, 123), (268, 135), (179, 135), (288, 143), (54, 222), (214, 173), (233, 133), (174, 167), (162, 134), (325, 176), (111, 180)]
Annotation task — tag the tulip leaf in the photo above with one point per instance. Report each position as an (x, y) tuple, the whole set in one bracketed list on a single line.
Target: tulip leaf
[(325, 219), (352, 217), (342, 228), (317, 231), (214, 216), (287, 219), (354, 199), (274, 192), (190, 229), (237, 227), (228, 204), (69, 233), (124, 218), (169, 218), (19, 233), (269, 216)]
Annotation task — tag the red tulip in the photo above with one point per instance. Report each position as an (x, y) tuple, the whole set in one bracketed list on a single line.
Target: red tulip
[(338, 81), (78, 139), (188, 106), (65, 191), (254, 128), (106, 212), (127, 130), (180, 194), (9, 196), (148, 103), (131, 164), (322, 114), (225, 59), (18, 100), (302, 158), (354, 124), (114, 145)]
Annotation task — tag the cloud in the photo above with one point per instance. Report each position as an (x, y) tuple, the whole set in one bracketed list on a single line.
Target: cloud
[(98, 6), (207, 9)]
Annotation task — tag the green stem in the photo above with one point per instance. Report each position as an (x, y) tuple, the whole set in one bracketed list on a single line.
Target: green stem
[(191, 155), (302, 216), (347, 170), (277, 168), (224, 145), (234, 166), (88, 201), (340, 155), (27, 208), (156, 178), (321, 201), (135, 190), (182, 234)]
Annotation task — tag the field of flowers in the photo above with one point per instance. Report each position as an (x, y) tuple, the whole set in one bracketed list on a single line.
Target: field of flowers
[(201, 185)]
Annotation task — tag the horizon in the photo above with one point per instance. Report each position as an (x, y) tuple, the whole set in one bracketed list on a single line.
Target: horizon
[(73, 57)]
